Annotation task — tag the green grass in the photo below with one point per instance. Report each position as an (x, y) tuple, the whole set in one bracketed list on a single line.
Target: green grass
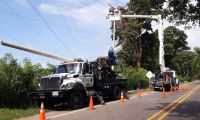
[(12, 114)]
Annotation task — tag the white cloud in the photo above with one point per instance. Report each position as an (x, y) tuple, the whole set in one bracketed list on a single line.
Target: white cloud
[(90, 14), (71, 3), (193, 33), (193, 37), (48, 9), (23, 3)]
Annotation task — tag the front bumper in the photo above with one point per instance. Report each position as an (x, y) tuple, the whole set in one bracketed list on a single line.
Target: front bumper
[(158, 84), (49, 94)]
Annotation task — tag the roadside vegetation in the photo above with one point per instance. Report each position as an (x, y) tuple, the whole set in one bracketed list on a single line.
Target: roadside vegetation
[(15, 81), (10, 114)]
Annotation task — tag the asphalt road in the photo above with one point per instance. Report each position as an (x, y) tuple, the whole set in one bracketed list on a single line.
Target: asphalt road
[(188, 110), (179, 106)]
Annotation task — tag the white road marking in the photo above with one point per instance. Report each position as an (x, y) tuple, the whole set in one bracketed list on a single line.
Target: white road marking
[(96, 106)]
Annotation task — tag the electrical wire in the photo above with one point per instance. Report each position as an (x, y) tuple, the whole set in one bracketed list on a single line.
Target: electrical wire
[(39, 20), (104, 2), (66, 25), (119, 2), (9, 35), (49, 27), (62, 17), (22, 18)]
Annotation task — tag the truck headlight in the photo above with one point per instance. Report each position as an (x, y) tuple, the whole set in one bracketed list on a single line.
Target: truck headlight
[(67, 86)]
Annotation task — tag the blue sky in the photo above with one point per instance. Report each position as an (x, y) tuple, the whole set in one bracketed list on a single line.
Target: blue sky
[(81, 26)]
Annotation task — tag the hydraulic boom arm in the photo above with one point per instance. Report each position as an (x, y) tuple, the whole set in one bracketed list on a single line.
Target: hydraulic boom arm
[(34, 51), (116, 15)]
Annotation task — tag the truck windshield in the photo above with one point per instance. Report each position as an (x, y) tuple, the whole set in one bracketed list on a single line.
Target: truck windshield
[(69, 68)]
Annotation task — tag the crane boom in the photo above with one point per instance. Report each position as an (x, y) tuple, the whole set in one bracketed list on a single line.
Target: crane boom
[(116, 15), (35, 52)]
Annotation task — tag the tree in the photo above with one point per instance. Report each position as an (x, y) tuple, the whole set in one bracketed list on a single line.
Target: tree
[(10, 84), (183, 64), (17, 80), (131, 31), (174, 40), (50, 68), (150, 54), (183, 11), (196, 64)]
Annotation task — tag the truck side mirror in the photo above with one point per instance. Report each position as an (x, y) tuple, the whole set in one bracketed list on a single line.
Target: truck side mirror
[(83, 71)]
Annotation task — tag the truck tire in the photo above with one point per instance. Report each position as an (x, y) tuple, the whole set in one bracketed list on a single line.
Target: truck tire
[(116, 93), (76, 100), (38, 102)]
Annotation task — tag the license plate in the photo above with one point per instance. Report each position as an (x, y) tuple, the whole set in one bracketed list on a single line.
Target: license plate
[(55, 93), (41, 95)]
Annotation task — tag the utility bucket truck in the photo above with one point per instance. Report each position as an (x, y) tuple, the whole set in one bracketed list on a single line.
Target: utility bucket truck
[(75, 80), (165, 80), (167, 77)]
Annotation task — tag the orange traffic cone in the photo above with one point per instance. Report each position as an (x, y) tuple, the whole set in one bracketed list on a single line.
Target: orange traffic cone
[(175, 90), (139, 95), (149, 90), (91, 104), (171, 91), (183, 87), (180, 88), (122, 98), (42, 112), (188, 85), (163, 92)]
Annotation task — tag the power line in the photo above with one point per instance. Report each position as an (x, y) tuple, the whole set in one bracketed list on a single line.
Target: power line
[(27, 17), (20, 16), (49, 27), (9, 35), (119, 2), (104, 2), (39, 20), (90, 6), (62, 17), (65, 22)]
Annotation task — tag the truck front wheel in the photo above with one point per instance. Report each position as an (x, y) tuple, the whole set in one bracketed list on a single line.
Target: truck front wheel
[(76, 100), (116, 93)]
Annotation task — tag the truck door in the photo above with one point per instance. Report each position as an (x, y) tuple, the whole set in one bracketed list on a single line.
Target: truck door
[(88, 76)]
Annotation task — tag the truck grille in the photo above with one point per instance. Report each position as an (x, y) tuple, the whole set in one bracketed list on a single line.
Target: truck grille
[(50, 83)]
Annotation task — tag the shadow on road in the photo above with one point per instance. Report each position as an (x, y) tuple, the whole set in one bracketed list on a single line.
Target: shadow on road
[(65, 107), (189, 109), (186, 110)]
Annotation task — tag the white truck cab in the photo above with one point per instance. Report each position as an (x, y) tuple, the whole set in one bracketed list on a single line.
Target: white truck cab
[(69, 74)]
